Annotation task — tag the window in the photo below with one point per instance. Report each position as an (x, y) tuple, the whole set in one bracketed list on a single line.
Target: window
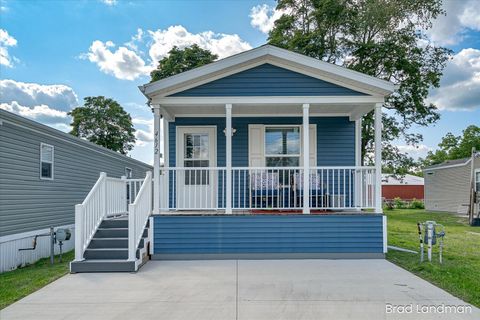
[(196, 154), (282, 146), (477, 181), (128, 173), (46, 161)]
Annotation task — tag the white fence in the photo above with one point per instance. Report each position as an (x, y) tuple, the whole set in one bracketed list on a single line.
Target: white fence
[(267, 188)]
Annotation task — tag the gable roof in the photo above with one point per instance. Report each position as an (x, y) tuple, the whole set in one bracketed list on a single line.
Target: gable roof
[(449, 164), (272, 55)]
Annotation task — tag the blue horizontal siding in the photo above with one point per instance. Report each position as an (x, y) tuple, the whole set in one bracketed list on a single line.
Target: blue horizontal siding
[(268, 234), (267, 80)]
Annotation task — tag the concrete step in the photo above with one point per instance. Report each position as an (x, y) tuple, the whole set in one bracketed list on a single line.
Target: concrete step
[(102, 266), (108, 253), (104, 243)]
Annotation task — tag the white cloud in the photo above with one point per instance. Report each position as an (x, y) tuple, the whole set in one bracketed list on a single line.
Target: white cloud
[(460, 84), (221, 44), (122, 62), (127, 62), (460, 16), (415, 152), (47, 104), (110, 2), (57, 96), (263, 17), (6, 41), (143, 136)]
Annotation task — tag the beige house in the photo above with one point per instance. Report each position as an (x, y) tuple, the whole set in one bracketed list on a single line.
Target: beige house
[(447, 185)]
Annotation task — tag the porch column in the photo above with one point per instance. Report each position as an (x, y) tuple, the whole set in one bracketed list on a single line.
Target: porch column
[(228, 139), (166, 162), (358, 163), (156, 160), (378, 158), (306, 159)]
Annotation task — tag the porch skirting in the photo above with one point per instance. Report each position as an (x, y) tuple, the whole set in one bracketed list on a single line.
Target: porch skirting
[(295, 236)]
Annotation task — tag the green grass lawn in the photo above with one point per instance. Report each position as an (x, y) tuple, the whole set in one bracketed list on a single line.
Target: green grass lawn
[(460, 272), (19, 283)]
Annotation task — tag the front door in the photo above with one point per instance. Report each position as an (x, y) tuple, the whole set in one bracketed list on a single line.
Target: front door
[(196, 184)]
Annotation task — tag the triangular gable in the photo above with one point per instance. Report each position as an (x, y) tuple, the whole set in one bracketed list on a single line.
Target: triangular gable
[(267, 80)]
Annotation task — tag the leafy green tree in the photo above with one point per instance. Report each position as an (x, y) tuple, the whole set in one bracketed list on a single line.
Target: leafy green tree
[(103, 121), (455, 147), (381, 38), (181, 60)]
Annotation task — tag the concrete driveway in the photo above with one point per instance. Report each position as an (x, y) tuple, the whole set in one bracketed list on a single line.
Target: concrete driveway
[(245, 289)]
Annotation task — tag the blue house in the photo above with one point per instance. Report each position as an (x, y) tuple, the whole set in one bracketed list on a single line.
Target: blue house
[(261, 159)]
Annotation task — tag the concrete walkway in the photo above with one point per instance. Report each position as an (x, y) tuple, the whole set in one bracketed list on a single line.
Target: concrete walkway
[(251, 290)]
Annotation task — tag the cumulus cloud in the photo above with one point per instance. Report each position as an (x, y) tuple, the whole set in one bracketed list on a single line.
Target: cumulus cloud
[(6, 41), (221, 44), (415, 152), (121, 62), (263, 17), (47, 104), (144, 136), (459, 87), (128, 62), (460, 17)]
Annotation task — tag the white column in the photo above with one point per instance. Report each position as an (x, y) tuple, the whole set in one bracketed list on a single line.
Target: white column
[(228, 138), (306, 159), (156, 161), (378, 158), (166, 163), (358, 162)]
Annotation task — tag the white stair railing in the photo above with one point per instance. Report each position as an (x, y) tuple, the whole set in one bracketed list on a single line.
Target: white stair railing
[(106, 198), (138, 213)]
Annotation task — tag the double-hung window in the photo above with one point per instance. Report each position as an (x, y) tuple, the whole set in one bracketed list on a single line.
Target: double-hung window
[(46, 161), (282, 146)]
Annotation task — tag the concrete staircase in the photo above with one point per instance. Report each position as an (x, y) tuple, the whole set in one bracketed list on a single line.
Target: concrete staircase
[(108, 250)]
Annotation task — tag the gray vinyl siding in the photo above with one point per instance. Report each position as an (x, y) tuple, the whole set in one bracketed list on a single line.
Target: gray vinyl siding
[(448, 189), (29, 203), (267, 234), (267, 80)]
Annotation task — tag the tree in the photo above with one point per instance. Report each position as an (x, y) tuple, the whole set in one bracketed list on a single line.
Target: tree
[(382, 38), (103, 121), (181, 60), (455, 147)]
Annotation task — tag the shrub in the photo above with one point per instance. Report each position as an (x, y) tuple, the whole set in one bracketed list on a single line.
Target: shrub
[(398, 203), (417, 204)]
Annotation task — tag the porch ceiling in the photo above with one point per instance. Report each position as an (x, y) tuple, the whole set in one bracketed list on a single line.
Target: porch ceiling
[(354, 111)]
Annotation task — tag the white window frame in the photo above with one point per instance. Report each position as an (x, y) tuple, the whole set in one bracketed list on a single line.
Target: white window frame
[(131, 172), (52, 163), (265, 155)]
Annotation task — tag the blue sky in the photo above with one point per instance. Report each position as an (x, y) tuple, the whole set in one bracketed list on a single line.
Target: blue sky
[(54, 53)]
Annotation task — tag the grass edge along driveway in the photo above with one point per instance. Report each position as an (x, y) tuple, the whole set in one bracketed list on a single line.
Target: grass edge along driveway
[(460, 272)]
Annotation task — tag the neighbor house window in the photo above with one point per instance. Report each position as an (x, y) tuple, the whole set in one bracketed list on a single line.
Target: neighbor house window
[(477, 179), (128, 173), (282, 146), (46, 161)]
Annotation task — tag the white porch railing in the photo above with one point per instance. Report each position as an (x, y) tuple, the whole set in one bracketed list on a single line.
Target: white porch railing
[(108, 197), (138, 213), (267, 188)]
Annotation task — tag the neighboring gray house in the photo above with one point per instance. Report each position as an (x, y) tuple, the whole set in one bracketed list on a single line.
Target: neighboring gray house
[(44, 173), (447, 185)]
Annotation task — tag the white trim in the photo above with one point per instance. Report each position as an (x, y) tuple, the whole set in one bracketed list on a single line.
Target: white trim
[(358, 142), (385, 234), (52, 162), (260, 115), (239, 100), (28, 234), (449, 166), (156, 160), (268, 53)]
